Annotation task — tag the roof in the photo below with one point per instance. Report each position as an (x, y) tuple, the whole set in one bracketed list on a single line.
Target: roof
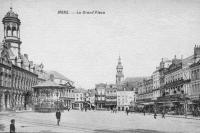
[(11, 13), (134, 79), (58, 75), (188, 60), (79, 90), (48, 84)]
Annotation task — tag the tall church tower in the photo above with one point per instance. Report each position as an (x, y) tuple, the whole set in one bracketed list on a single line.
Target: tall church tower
[(119, 74), (11, 24)]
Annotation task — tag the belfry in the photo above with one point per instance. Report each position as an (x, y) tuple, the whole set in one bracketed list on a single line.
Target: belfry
[(119, 75), (11, 24)]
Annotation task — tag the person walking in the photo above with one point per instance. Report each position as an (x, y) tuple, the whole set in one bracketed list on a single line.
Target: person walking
[(144, 111), (163, 114), (155, 114), (12, 126), (127, 111), (58, 115)]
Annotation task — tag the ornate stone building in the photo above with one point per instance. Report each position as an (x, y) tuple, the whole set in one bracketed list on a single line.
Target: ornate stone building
[(17, 73)]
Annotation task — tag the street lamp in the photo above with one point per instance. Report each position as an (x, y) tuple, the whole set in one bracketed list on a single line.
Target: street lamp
[(57, 98)]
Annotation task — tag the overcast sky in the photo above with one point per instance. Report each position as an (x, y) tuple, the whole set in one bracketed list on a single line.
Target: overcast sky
[(85, 48)]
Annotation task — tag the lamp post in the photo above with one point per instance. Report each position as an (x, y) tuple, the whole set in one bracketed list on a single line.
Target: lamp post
[(57, 98), (185, 104)]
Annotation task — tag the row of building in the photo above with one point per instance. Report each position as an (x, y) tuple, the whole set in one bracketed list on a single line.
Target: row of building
[(120, 96), (173, 86)]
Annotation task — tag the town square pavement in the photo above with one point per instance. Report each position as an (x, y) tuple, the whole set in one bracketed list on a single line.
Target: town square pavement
[(76, 121)]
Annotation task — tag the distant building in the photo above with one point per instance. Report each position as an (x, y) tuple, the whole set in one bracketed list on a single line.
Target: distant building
[(79, 102), (125, 98), (100, 96), (111, 96), (90, 98)]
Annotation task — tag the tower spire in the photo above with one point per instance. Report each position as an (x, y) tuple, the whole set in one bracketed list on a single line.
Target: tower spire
[(11, 5), (11, 24), (119, 74)]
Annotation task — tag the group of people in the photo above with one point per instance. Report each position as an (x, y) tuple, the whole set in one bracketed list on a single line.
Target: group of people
[(114, 110), (163, 114), (155, 114)]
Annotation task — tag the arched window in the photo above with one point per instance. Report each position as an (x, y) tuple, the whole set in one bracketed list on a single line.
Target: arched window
[(8, 32), (14, 31)]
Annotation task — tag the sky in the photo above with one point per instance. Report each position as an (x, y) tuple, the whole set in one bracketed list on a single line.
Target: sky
[(85, 47)]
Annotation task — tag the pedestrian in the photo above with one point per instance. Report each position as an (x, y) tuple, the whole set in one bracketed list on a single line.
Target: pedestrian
[(144, 111), (127, 111), (155, 114), (163, 113), (58, 115), (12, 126)]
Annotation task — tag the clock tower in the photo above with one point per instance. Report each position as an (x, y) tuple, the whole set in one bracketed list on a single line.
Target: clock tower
[(11, 24), (119, 74)]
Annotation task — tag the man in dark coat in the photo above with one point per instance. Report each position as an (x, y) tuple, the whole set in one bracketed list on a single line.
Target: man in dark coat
[(58, 115), (163, 113), (127, 111), (12, 126)]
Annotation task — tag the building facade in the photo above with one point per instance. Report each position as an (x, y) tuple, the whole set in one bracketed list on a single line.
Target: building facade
[(125, 98), (79, 102), (100, 96), (111, 96), (18, 74), (90, 98)]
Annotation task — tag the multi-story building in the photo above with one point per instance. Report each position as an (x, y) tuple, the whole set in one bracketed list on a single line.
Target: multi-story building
[(194, 91), (79, 102), (100, 96), (20, 75), (111, 96), (125, 98), (159, 78), (5, 78), (176, 84), (145, 94), (90, 98)]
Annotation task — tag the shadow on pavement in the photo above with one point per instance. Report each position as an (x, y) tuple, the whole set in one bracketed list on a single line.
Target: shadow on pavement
[(129, 131), (2, 127)]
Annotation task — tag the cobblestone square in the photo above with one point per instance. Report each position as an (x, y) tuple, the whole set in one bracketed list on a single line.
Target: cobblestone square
[(97, 122)]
